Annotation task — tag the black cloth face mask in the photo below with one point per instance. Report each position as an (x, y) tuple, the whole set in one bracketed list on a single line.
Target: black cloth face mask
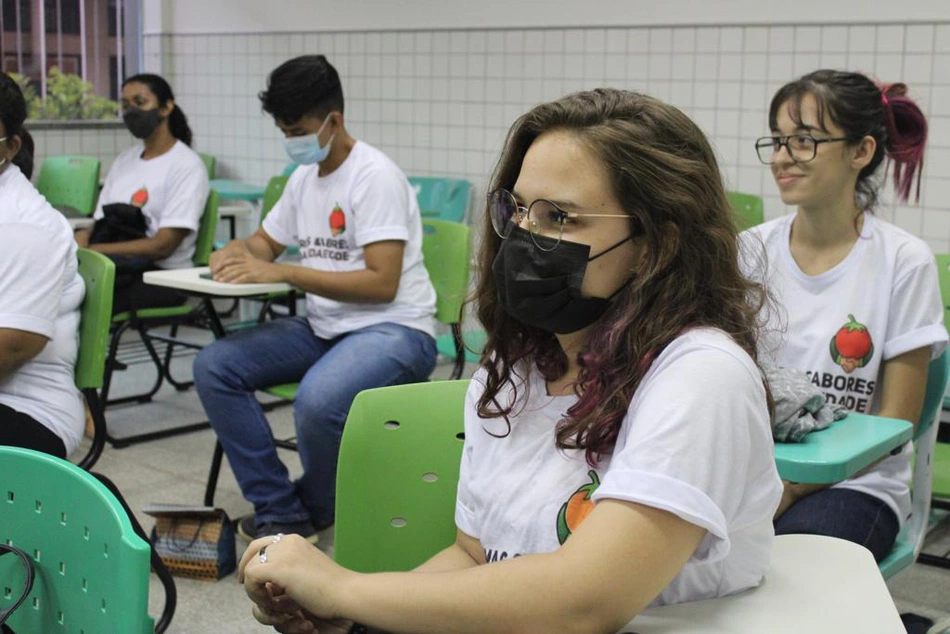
[(141, 123), (543, 288)]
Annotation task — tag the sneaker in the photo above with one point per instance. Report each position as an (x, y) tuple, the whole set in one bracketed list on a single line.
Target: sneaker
[(249, 530)]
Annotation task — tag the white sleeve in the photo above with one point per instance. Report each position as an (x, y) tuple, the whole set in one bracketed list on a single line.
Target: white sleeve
[(690, 446), (31, 277), (281, 221), (465, 507), (915, 318), (186, 194), (381, 206)]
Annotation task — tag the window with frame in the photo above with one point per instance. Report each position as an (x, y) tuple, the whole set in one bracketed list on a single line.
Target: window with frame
[(74, 70)]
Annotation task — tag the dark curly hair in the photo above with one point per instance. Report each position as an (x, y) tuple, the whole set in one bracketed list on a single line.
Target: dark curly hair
[(13, 115), (665, 176)]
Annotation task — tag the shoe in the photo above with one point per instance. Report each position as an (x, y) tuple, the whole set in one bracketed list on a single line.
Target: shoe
[(249, 530)]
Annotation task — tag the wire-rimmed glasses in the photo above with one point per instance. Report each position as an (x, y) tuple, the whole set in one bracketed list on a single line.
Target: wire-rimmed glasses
[(542, 218)]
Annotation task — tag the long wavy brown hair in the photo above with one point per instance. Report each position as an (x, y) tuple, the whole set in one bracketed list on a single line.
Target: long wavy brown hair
[(664, 174)]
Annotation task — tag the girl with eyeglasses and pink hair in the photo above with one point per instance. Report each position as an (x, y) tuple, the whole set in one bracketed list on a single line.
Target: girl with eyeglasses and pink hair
[(858, 300)]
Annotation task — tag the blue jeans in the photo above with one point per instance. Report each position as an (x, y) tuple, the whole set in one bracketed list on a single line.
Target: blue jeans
[(846, 514), (331, 373)]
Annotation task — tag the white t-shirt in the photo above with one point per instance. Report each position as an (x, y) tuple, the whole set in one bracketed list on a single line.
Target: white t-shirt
[(695, 442), (881, 301), (366, 199), (171, 190), (41, 292)]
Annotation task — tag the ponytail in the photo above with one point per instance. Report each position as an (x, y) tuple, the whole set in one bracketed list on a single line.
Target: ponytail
[(178, 126), (906, 138)]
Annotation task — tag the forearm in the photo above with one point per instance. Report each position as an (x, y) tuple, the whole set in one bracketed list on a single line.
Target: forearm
[(150, 248), (449, 559), (260, 249), (524, 594), (358, 287)]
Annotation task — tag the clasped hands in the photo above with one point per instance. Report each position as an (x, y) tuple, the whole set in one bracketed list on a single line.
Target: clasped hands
[(237, 265), (294, 586)]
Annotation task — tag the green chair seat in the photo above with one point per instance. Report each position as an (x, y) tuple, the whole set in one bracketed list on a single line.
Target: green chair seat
[(154, 313), (287, 391)]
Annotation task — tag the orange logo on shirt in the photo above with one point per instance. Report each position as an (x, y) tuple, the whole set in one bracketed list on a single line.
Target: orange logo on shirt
[(577, 508), (337, 221), (139, 198)]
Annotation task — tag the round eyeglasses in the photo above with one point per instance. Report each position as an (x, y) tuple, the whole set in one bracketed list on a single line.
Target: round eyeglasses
[(800, 147), (543, 219)]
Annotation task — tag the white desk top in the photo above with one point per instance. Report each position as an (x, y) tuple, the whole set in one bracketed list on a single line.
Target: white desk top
[(189, 280), (815, 584), (81, 223)]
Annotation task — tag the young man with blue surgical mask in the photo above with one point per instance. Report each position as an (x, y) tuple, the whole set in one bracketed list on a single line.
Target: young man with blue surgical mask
[(370, 305)]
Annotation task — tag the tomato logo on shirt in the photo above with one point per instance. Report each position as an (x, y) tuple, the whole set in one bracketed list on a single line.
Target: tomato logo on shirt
[(337, 221), (851, 347), (139, 198), (577, 508)]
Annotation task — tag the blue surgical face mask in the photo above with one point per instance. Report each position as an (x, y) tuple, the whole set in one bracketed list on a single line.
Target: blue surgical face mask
[(306, 150)]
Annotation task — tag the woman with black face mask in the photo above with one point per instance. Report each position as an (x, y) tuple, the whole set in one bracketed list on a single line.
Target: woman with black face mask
[(617, 444), (154, 195)]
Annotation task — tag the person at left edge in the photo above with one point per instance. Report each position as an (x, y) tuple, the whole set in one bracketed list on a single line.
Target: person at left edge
[(164, 178)]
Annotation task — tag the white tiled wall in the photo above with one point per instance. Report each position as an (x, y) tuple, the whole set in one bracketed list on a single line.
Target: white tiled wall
[(103, 143), (440, 102)]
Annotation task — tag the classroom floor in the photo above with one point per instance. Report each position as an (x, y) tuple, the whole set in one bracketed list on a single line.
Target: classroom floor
[(174, 470)]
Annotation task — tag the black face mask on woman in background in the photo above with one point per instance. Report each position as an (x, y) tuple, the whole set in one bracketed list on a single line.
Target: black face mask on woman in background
[(543, 288), (141, 123)]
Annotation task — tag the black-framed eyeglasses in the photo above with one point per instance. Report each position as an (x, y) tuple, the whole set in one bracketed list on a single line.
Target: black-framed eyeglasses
[(542, 217), (800, 147)]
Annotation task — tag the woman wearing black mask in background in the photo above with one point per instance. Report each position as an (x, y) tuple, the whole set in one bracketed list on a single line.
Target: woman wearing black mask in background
[(165, 180)]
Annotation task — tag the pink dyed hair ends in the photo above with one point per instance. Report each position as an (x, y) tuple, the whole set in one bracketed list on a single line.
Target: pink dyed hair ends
[(906, 138)]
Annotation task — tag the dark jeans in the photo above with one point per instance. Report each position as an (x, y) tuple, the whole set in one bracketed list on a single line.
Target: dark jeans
[(20, 430), (846, 514), (132, 293)]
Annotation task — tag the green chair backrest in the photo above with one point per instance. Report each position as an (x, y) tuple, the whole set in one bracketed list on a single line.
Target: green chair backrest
[(210, 163), (397, 475), (209, 224), (275, 187), (943, 275), (289, 169), (748, 208), (98, 273), (92, 569), (442, 198), (445, 250), (70, 182)]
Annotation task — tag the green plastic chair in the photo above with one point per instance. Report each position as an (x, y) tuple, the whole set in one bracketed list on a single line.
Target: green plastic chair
[(442, 198), (911, 538), (748, 208), (92, 569), (445, 250), (210, 163), (70, 182), (397, 476), (98, 274), (171, 315)]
